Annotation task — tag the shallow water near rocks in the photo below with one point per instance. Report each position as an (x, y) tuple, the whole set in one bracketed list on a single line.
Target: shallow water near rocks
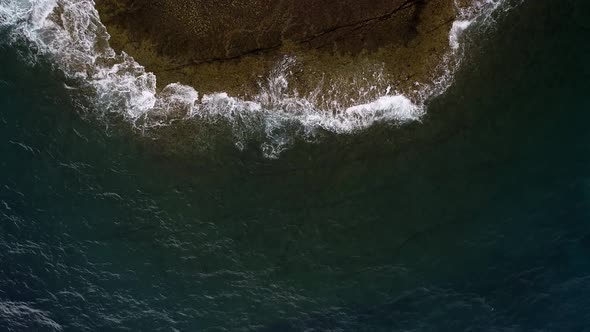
[(475, 219)]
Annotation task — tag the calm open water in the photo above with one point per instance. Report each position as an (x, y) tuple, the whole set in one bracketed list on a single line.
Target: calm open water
[(476, 219)]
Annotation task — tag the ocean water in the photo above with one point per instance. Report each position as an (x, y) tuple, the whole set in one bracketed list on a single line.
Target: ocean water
[(474, 218)]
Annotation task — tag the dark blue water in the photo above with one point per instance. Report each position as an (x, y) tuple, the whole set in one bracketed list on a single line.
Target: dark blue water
[(476, 219)]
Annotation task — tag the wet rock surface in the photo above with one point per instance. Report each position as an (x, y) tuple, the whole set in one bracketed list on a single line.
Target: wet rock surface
[(232, 45)]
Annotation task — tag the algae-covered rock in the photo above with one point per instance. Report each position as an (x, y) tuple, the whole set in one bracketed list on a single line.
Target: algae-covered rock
[(231, 45)]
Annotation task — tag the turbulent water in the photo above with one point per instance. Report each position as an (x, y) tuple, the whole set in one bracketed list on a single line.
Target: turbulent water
[(69, 32), (474, 218)]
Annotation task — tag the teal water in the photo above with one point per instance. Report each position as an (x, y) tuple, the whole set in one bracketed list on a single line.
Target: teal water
[(475, 219)]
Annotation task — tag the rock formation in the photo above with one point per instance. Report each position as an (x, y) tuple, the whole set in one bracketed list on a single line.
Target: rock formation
[(231, 45)]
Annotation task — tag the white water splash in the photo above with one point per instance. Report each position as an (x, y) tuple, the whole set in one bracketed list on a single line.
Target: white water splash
[(70, 33), (456, 31)]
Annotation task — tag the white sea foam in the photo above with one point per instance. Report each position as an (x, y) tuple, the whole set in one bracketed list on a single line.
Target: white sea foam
[(70, 33), (456, 31)]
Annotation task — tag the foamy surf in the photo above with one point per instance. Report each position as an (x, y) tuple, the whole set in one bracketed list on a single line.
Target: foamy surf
[(70, 33)]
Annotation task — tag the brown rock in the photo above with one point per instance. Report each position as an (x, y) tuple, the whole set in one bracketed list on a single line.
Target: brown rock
[(228, 45)]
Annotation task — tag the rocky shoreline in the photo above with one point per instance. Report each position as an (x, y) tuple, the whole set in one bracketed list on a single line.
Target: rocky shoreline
[(348, 50)]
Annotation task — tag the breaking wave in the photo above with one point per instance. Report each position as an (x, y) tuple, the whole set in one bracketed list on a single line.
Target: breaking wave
[(71, 35)]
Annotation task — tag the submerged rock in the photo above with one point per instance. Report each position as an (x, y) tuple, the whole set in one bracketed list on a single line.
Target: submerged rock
[(350, 51)]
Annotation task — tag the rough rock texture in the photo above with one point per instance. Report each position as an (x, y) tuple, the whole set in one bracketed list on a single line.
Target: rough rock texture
[(230, 45)]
